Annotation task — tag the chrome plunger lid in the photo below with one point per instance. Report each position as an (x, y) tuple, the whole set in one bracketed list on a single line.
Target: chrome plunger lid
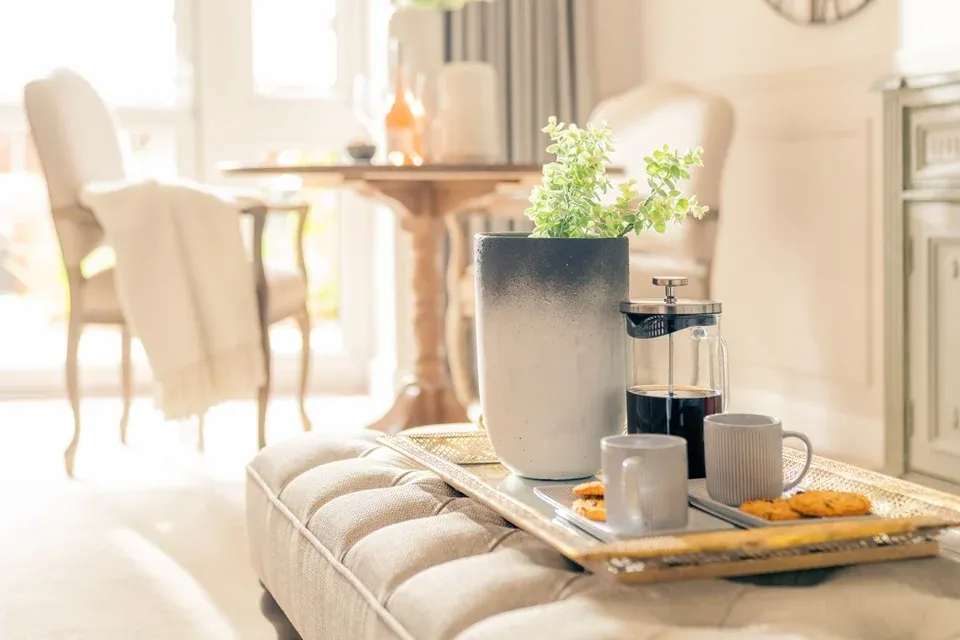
[(670, 305)]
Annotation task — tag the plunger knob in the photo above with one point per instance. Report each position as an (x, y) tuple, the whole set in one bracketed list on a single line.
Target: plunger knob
[(670, 282)]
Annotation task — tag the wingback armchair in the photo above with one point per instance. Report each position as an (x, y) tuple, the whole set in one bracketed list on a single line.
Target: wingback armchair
[(642, 119), (682, 116), (77, 142)]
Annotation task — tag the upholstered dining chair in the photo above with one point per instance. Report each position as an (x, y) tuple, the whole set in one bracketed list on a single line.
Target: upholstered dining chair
[(682, 116), (77, 142), (642, 119)]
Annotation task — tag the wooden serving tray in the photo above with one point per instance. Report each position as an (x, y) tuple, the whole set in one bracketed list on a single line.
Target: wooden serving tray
[(913, 518)]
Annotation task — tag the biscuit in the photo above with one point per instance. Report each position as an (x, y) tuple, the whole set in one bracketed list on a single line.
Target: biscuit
[(830, 504), (592, 489), (776, 509), (591, 509)]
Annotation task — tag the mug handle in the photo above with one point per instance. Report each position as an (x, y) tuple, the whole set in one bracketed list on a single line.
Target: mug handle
[(630, 484), (806, 465)]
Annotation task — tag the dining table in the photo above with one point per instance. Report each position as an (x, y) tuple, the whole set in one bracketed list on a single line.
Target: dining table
[(422, 196)]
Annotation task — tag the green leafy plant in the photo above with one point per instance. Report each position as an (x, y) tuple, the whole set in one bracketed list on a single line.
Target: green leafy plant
[(568, 202)]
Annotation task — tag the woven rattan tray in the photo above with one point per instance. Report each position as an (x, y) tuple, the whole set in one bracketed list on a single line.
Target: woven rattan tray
[(913, 518)]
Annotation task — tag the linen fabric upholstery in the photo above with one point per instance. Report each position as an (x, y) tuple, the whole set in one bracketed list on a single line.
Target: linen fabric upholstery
[(355, 541)]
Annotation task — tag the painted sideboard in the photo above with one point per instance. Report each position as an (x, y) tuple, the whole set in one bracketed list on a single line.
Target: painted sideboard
[(922, 275)]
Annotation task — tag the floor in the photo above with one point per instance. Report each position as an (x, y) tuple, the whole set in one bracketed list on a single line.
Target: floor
[(148, 541)]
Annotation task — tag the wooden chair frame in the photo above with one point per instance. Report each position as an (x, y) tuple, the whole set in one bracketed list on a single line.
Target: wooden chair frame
[(78, 319)]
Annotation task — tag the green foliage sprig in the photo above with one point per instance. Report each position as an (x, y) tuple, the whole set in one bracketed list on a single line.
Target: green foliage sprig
[(567, 204)]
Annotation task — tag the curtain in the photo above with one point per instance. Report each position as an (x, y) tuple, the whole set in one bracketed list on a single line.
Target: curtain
[(542, 52)]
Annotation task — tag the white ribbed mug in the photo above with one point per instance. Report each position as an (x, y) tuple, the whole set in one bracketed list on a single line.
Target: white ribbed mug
[(744, 457)]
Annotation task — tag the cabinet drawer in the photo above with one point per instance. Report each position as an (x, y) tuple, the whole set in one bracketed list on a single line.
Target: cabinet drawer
[(933, 153)]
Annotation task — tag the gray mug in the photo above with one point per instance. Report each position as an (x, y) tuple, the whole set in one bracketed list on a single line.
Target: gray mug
[(744, 457), (645, 482)]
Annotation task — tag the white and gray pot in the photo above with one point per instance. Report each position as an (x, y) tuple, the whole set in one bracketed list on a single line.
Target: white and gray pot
[(551, 349)]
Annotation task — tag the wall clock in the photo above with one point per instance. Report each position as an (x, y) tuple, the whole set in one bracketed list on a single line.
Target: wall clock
[(817, 12)]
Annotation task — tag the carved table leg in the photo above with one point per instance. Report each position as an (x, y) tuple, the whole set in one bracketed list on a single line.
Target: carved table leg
[(436, 403), (456, 328), (275, 615), (422, 206)]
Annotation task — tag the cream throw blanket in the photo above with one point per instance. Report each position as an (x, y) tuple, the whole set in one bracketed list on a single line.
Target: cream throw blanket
[(186, 288)]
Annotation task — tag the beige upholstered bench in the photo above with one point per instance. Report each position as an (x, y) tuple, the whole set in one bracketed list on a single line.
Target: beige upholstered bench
[(354, 541)]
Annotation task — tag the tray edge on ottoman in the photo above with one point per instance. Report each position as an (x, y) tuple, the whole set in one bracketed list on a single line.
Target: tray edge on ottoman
[(693, 556)]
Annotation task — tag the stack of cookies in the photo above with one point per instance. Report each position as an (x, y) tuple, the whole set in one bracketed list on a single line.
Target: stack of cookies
[(809, 504), (590, 503)]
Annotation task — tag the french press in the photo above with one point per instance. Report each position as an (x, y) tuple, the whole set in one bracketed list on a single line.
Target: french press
[(678, 372)]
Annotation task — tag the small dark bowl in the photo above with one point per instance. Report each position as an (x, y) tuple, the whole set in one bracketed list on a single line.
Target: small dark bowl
[(362, 152)]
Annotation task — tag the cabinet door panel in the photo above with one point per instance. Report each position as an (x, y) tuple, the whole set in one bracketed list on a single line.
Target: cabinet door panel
[(945, 317), (933, 326)]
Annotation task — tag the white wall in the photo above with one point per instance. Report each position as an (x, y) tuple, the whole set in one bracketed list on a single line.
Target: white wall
[(928, 36), (798, 264)]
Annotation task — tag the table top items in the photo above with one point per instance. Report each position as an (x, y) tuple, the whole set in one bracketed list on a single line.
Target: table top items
[(742, 504), (468, 127), (405, 117), (691, 490), (550, 342), (362, 151), (910, 520), (646, 477)]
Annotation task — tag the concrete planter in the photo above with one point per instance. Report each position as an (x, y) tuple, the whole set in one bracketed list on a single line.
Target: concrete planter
[(551, 350)]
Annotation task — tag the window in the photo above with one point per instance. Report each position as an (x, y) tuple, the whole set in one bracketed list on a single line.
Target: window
[(139, 54), (295, 49), (132, 52), (134, 62)]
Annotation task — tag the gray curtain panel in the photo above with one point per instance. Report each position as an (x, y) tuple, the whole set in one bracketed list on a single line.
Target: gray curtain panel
[(543, 56), (542, 52)]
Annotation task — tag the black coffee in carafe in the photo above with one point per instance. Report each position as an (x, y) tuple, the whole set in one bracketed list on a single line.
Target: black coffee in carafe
[(678, 371), (655, 409)]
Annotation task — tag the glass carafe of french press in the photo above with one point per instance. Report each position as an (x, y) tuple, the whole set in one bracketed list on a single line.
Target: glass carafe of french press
[(678, 371)]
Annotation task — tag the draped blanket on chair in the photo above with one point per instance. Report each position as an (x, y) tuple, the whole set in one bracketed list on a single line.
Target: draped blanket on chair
[(186, 289)]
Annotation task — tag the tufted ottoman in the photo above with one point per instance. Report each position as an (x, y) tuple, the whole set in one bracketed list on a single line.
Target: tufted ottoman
[(354, 541)]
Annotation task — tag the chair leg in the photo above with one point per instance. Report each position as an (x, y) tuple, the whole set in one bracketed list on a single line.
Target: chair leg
[(126, 374), (201, 441), (303, 320), (74, 331), (263, 306), (264, 394), (262, 399), (275, 615)]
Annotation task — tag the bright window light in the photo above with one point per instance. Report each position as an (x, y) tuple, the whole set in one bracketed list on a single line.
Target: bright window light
[(127, 49), (294, 48)]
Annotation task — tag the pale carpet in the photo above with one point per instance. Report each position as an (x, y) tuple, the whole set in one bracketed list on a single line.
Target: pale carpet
[(149, 541)]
